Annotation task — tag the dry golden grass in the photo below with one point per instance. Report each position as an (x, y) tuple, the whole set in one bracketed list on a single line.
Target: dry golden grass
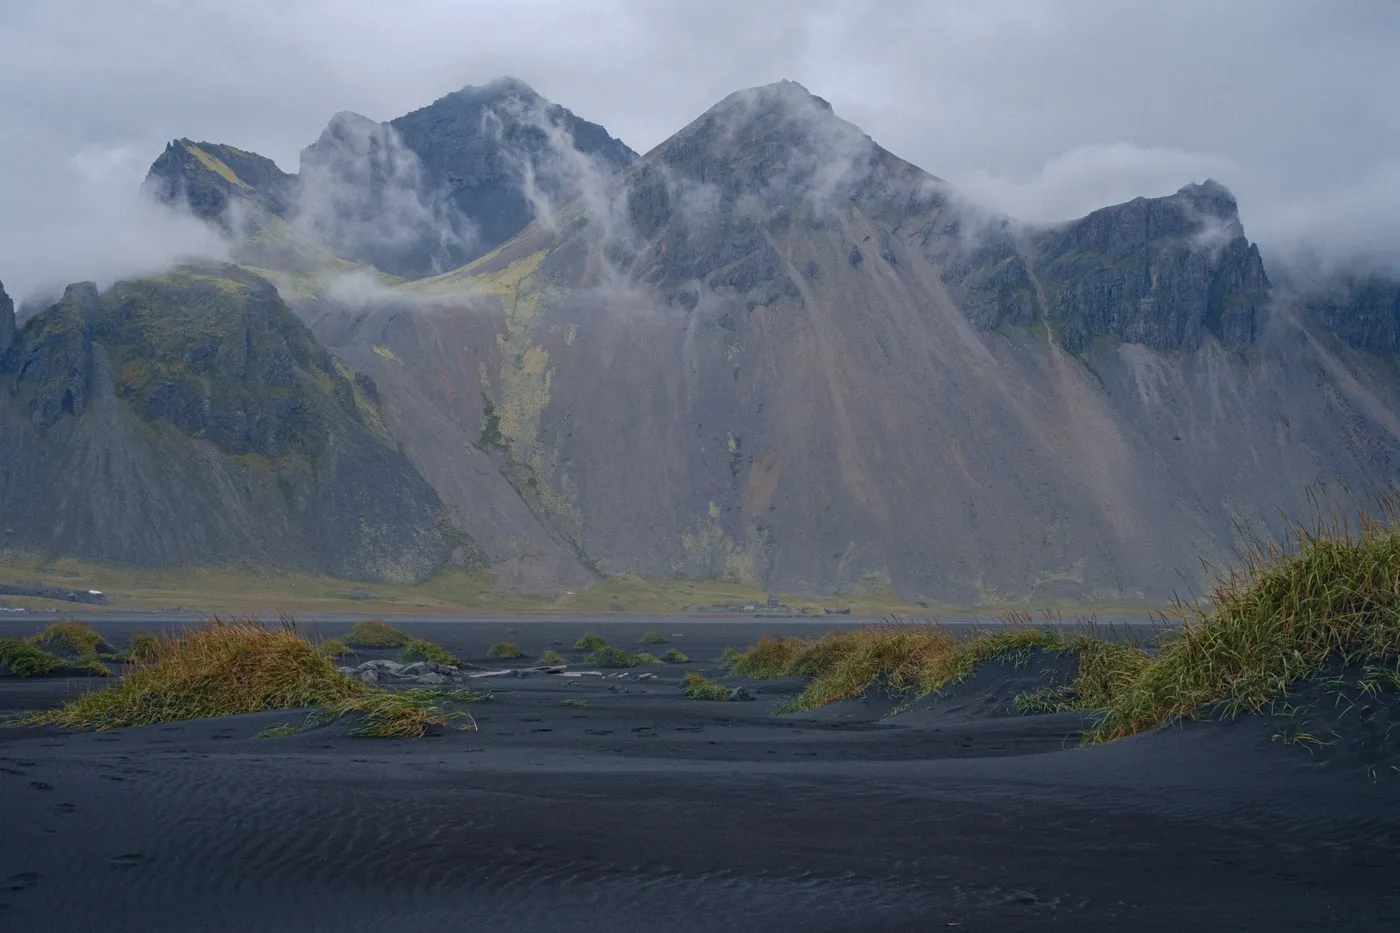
[(375, 633), (228, 668)]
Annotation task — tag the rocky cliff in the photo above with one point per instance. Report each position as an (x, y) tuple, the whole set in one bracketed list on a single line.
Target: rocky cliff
[(1364, 311), (192, 418), (772, 351)]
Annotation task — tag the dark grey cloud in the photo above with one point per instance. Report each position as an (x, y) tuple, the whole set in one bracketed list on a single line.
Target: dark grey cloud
[(1044, 110)]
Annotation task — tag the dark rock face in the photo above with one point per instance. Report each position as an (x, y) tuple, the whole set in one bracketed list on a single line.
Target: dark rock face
[(1363, 311), (193, 419), (7, 320), (210, 177), (1162, 272), (484, 148)]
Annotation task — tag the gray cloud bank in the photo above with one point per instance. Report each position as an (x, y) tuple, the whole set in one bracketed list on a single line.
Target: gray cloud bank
[(1041, 110)]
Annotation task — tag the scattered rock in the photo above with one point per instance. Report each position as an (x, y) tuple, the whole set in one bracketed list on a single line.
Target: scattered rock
[(646, 676), (740, 693), (430, 678)]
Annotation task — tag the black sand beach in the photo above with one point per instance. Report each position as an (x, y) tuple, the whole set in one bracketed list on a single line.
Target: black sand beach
[(644, 810)]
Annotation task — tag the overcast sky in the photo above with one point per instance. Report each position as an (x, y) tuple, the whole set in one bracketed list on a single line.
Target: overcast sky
[(1045, 109)]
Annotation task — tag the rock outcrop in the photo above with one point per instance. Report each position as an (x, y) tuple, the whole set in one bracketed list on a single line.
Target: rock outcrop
[(191, 419), (7, 320), (1364, 311), (1161, 272)]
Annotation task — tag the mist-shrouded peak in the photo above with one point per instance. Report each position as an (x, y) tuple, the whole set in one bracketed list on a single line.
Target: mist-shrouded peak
[(783, 144), (210, 178)]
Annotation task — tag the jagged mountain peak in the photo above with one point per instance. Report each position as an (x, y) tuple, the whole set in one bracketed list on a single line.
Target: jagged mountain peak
[(7, 319)]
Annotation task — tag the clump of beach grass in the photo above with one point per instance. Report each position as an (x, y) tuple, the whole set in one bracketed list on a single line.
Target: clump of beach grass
[(143, 647), (590, 642), (675, 656), (552, 657), (700, 687), (25, 660), (1329, 595), (420, 649), (505, 650), (654, 638), (227, 668), (913, 660), (334, 648), (612, 656), (375, 633), (78, 643), (646, 657), (576, 704)]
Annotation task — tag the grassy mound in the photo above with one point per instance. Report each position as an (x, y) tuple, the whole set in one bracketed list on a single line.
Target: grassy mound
[(700, 687), (244, 667), (375, 633), (78, 644), (654, 638), (418, 649), (612, 656), (24, 660), (916, 660), (334, 648), (505, 650), (675, 656), (590, 642), (552, 657), (1329, 598)]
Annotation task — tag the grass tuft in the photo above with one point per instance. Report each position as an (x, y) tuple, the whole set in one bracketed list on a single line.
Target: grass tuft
[(646, 657), (675, 656), (419, 649), (25, 660), (143, 647), (552, 657), (590, 642), (375, 633), (654, 638), (78, 644), (334, 648), (506, 650), (576, 704), (700, 687), (281, 730), (612, 656)]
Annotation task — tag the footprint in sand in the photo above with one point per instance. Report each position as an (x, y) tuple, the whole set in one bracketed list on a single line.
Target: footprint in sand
[(130, 860), (22, 881)]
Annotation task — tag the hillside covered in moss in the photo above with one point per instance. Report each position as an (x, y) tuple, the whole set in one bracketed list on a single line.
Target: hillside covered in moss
[(193, 419)]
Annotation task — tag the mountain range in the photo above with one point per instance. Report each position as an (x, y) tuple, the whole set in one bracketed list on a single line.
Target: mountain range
[(768, 350)]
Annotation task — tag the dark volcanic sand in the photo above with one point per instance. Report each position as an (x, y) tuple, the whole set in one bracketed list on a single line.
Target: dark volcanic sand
[(646, 811)]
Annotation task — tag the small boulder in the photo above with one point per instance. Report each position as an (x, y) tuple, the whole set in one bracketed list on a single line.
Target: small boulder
[(370, 676), (740, 693), (430, 678)]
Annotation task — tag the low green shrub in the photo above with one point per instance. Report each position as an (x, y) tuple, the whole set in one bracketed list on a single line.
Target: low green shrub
[(700, 687), (375, 633), (612, 656), (590, 642), (654, 638), (506, 650), (675, 656), (418, 649)]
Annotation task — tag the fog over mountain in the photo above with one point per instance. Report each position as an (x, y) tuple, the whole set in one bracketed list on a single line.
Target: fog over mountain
[(1044, 111)]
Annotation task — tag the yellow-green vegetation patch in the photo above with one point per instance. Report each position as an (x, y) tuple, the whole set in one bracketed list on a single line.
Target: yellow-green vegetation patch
[(576, 704), (143, 647), (612, 656), (646, 657), (386, 353), (916, 660), (228, 668), (700, 687), (78, 644), (675, 656), (217, 166), (334, 648), (552, 657), (1330, 596), (419, 649), (590, 642), (505, 650), (654, 638), (375, 633), (24, 660)]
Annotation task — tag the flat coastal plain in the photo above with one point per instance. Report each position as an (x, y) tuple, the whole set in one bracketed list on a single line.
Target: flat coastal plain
[(611, 803)]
